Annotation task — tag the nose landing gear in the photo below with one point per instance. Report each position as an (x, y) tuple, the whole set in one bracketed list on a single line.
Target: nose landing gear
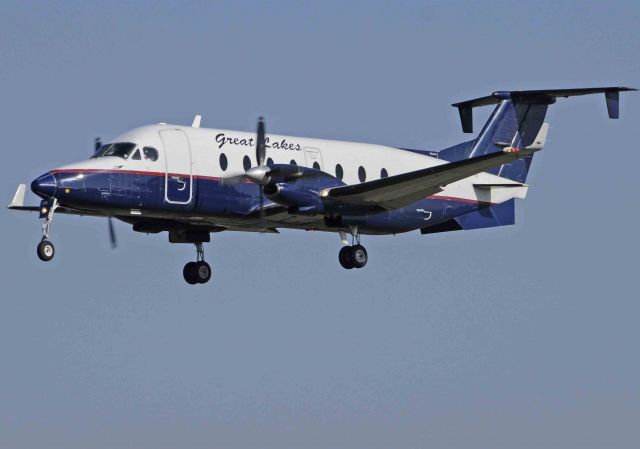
[(354, 256), (198, 272), (45, 249)]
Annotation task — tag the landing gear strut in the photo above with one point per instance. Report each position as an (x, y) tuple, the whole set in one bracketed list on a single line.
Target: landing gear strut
[(198, 272), (354, 256), (46, 250)]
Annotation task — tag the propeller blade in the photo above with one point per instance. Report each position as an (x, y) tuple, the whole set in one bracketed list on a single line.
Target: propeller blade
[(260, 174), (112, 233), (261, 147), (262, 212)]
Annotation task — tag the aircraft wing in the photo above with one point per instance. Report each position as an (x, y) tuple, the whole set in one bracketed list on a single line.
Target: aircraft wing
[(406, 188)]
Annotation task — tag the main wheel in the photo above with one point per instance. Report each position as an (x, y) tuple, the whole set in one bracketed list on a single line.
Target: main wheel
[(359, 256), (46, 251), (190, 273), (344, 257), (203, 272)]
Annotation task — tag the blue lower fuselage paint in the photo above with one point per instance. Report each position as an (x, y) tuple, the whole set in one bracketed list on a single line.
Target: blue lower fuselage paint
[(156, 195)]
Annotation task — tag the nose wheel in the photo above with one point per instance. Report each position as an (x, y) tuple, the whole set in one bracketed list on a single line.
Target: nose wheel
[(46, 251), (45, 248), (354, 256), (198, 272)]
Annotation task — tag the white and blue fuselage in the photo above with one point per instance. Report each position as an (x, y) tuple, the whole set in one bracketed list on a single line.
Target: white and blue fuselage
[(180, 173)]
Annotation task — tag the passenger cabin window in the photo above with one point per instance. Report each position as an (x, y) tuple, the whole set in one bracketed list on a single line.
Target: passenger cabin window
[(150, 154), (246, 163), (316, 165), (383, 173), (292, 162), (269, 161), (339, 171), (136, 156), (122, 150), (362, 174), (223, 162)]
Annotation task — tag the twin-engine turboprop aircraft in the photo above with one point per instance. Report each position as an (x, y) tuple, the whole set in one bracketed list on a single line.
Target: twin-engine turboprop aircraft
[(192, 181)]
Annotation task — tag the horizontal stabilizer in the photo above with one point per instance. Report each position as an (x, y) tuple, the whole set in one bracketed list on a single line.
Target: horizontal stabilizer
[(465, 108)]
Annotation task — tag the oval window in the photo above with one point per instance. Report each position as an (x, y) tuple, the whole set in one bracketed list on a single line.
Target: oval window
[(292, 162), (316, 165), (246, 163), (383, 173), (362, 174), (224, 163), (339, 172), (269, 161), (150, 153)]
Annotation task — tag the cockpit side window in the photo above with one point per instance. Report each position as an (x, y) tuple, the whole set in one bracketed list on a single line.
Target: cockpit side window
[(122, 150), (136, 156), (150, 153)]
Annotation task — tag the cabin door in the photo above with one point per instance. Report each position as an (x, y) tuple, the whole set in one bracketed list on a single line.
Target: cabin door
[(178, 181)]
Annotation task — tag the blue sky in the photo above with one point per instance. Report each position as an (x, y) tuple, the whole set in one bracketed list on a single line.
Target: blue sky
[(519, 336)]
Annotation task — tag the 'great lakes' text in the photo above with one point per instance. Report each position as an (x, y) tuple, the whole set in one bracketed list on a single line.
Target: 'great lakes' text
[(222, 139)]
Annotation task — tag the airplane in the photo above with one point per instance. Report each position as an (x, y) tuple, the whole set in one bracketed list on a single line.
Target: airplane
[(191, 181)]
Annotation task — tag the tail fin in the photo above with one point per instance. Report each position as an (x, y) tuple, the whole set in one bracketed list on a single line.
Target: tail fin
[(517, 121)]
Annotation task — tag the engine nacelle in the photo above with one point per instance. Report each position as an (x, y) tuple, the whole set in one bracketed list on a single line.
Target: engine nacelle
[(299, 201)]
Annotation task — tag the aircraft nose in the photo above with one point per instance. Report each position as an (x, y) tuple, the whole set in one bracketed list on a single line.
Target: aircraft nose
[(44, 186)]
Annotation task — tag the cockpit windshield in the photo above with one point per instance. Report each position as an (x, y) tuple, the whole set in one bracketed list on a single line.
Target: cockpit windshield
[(121, 149)]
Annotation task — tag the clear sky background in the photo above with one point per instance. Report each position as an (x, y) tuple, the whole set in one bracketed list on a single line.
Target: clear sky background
[(523, 336)]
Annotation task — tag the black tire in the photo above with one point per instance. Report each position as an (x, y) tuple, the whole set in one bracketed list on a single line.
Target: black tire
[(359, 256), (190, 273), (203, 272), (344, 257), (46, 251)]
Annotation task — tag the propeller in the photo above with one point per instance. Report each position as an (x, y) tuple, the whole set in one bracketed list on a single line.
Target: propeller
[(260, 174), (112, 233), (261, 152)]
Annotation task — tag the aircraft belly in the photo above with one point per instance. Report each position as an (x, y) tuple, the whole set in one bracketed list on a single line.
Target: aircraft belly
[(233, 206)]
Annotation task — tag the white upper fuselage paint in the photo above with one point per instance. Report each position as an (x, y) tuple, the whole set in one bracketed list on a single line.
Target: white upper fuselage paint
[(206, 146)]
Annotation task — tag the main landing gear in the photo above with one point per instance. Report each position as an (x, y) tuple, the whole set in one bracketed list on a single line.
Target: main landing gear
[(45, 249), (354, 256), (198, 272)]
